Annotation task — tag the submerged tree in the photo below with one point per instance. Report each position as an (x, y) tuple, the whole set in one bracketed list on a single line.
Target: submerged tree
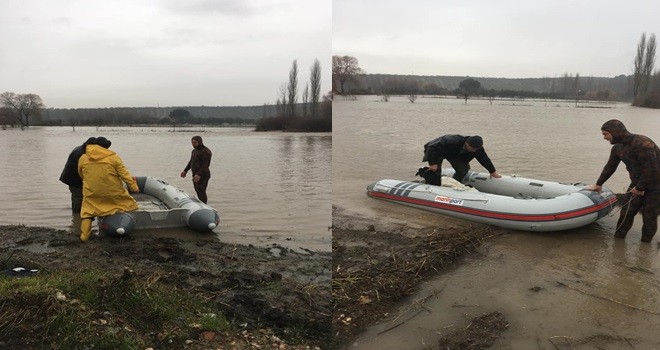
[(25, 106), (469, 87), (344, 69), (179, 115)]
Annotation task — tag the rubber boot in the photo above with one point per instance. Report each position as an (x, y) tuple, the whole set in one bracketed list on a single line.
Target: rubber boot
[(85, 229)]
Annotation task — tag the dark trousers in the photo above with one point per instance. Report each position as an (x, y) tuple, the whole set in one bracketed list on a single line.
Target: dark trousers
[(76, 199), (460, 166), (200, 188), (648, 204)]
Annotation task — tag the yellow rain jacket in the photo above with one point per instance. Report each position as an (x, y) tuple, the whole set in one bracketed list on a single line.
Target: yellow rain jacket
[(104, 194)]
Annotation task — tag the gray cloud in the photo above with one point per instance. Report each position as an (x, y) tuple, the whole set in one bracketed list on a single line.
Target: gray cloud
[(144, 53), (507, 38), (224, 7)]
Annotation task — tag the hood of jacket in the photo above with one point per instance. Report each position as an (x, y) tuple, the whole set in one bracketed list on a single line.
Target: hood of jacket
[(96, 152), (619, 132)]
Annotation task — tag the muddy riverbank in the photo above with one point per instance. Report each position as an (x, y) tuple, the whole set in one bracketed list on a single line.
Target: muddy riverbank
[(377, 265), (272, 296), (404, 285)]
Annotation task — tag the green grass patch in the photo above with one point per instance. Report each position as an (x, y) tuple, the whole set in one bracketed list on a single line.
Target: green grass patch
[(102, 310)]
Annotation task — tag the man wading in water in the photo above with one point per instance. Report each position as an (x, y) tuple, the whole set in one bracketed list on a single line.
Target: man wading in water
[(642, 159), (200, 160)]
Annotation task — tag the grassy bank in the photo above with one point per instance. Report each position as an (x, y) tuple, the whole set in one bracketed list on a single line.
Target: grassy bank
[(158, 292), (103, 310)]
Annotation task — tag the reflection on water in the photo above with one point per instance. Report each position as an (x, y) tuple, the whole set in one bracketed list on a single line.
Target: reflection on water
[(612, 284), (270, 188)]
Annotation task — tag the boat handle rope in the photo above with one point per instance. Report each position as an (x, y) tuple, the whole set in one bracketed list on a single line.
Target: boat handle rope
[(485, 200), (627, 209)]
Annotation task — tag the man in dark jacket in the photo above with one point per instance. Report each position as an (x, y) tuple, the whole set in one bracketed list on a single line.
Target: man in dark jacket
[(642, 159), (70, 176), (200, 160), (459, 151)]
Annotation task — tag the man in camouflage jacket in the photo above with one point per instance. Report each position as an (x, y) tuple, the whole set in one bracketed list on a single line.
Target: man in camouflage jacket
[(200, 161), (642, 159)]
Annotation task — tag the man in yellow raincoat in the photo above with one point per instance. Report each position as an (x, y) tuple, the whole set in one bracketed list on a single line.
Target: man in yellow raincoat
[(104, 194)]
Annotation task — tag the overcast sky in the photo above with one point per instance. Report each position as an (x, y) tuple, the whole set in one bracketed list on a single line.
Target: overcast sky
[(486, 38), (100, 53)]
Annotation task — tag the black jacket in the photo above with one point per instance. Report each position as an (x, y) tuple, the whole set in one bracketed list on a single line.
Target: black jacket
[(70, 173), (451, 147)]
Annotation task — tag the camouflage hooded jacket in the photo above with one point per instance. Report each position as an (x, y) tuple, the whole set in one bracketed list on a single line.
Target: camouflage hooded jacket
[(638, 152), (200, 161)]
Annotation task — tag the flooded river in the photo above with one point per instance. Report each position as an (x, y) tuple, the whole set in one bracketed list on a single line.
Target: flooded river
[(577, 289), (270, 188)]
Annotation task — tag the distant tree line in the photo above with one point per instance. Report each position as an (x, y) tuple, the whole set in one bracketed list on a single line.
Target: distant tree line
[(208, 115), (313, 114), (610, 89), (143, 119), (642, 88)]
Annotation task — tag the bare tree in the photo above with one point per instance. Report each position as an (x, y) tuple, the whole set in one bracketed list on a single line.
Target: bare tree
[(344, 69), (315, 86), (293, 88), (385, 96), (305, 100), (281, 106), (644, 62), (649, 61), (25, 106), (6, 117), (638, 76)]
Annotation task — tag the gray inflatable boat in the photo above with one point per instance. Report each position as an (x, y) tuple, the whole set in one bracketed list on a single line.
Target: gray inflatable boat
[(161, 205), (511, 202)]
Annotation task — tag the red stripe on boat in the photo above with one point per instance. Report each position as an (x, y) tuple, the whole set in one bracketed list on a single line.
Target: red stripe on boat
[(497, 215)]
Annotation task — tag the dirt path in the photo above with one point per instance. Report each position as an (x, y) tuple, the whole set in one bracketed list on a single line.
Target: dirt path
[(272, 288)]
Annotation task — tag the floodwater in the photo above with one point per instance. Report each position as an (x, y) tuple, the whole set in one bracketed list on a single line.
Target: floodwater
[(269, 188), (581, 286)]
